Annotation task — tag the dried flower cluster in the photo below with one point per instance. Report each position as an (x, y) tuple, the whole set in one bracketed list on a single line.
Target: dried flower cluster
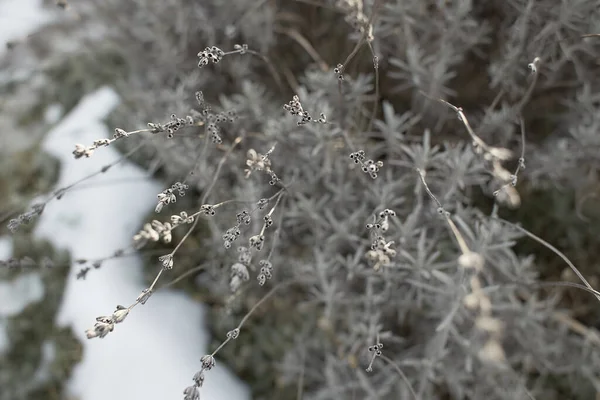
[(105, 325)]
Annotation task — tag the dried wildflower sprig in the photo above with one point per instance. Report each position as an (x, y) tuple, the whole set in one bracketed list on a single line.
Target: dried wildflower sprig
[(469, 260), (106, 325), (534, 68), (46, 262), (167, 196), (369, 166), (493, 155), (25, 218), (294, 107), (208, 360), (211, 120), (205, 209), (357, 18), (209, 209), (401, 374), (554, 250), (375, 350), (497, 155), (266, 266), (508, 191), (261, 162), (244, 217), (489, 153), (239, 270), (508, 194), (26, 262), (157, 230), (36, 210), (119, 253), (381, 252), (170, 127), (257, 241), (214, 54)]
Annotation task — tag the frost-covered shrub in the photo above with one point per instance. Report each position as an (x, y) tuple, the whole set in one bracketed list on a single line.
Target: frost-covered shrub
[(351, 153)]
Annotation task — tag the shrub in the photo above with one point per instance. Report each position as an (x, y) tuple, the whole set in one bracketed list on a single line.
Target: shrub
[(363, 159)]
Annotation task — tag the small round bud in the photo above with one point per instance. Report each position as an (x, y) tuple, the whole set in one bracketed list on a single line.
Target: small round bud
[(233, 334)]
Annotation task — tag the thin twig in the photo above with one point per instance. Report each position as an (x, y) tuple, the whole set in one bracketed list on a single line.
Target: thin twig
[(554, 249)]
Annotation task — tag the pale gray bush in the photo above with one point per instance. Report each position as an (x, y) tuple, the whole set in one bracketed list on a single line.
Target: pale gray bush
[(416, 303)]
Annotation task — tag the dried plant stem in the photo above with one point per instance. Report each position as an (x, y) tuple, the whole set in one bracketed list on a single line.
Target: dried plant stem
[(552, 248), (305, 44), (376, 100), (207, 192), (363, 38), (399, 371), (270, 293), (457, 235)]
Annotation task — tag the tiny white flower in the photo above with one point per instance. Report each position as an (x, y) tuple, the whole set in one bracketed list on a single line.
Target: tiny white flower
[(191, 393), (120, 314), (144, 296), (208, 362), (240, 270), (167, 261)]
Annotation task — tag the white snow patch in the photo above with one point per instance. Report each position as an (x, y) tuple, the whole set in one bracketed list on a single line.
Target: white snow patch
[(6, 247)]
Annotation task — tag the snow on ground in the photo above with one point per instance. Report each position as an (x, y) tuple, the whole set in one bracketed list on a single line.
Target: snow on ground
[(155, 352)]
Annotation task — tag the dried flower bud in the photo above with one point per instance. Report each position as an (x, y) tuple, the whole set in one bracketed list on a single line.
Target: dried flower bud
[(199, 378), (471, 260), (208, 362), (166, 261), (191, 393), (233, 334), (257, 241), (208, 209)]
